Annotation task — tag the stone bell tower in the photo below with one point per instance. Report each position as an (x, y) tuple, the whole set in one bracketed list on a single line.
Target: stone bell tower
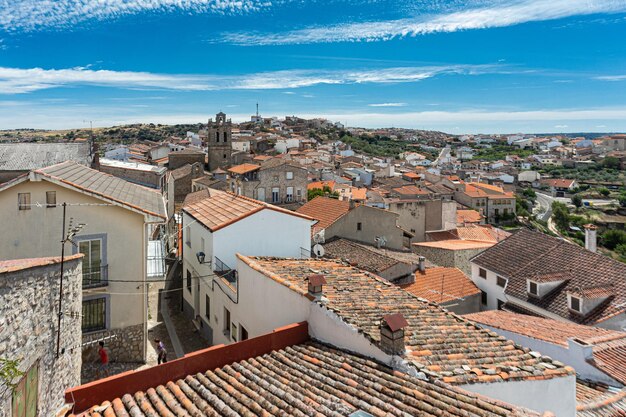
[(219, 136)]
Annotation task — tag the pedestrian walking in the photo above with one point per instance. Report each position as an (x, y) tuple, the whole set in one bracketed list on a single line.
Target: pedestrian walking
[(161, 352), (103, 365)]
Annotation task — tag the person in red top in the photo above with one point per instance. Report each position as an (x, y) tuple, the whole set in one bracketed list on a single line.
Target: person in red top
[(103, 366)]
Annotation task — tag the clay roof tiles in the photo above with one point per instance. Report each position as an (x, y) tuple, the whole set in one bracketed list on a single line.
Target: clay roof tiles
[(243, 168), (223, 208), (308, 379), (438, 343), (527, 253), (441, 285), (326, 210), (598, 400)]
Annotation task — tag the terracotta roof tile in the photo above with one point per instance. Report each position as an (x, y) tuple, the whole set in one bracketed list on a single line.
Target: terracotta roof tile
[(439, 343), (456, 244), (610, 358), (243, 168), (223, 208), (326, 210), (548, 330), (441, 285), (468, 216), (598, 400), (309, 379), (365, 258)]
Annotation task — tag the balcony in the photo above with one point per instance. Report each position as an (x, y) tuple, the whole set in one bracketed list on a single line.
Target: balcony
[(96, 277)]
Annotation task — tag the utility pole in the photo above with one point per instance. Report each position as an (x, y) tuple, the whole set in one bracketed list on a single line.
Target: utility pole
[(65, 237)]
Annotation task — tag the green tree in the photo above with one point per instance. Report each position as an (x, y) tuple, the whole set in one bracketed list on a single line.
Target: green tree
[(560, 215), (604, 191), (611, 239), (326, 191), (611, 162), (577, 200)]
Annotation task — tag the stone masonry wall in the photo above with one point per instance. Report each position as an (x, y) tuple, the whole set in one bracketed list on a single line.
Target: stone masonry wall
[(123, 345), (29, 300), (145, 178)]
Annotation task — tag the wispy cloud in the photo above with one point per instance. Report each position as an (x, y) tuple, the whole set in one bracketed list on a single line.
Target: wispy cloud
[(35, 14), (17, 80), (387, 104), (499, 15), (611, 78)]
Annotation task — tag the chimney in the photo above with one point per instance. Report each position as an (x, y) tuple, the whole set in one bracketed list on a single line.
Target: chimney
[(590, 237), (352, 204), (392, 334), (316, 286), (421, 266)]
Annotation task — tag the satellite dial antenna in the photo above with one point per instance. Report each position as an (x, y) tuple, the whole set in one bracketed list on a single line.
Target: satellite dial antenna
[(318, 250)]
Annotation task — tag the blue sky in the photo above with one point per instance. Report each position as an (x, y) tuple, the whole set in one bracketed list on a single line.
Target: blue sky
[(457, 66)]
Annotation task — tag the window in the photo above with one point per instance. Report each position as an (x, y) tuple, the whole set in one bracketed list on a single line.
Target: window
[(298, 194), (188, 235), (482, 273), (225, 137), (483, 298), (202, 244), (207, 308), (532, 288), (26, 395), (289, 196), (359, 226), (289, 175), (233, 332), (574, 303), (275, 195), (501, 282), (500, 304), (94, 314), (224, 156), (189, 280), (260, 194), (93, 268), (217, 137), (23, 201), (244, 333), (226, 327), (51, 199)]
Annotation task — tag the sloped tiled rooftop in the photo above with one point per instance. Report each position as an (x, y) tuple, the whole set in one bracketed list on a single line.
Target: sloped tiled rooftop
[(309, 379), (441, 285), (597, 400), (527, 254), (439, 343), (223, 208), (326, 210), (135, 196)]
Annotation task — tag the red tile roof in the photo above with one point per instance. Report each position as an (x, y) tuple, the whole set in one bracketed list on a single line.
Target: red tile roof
[(320, 185), (476, 189), (468, 216), (13, 265), (440, 344), (256, 378), (223, 208), (326, 210), (243, 168), (610, 358), (548, 330), (598, 400), (456, 244), (441, 285), (557, 182)]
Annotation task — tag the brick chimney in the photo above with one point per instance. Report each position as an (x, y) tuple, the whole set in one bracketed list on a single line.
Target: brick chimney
[(392, 334), (590, 237), (316, 286)]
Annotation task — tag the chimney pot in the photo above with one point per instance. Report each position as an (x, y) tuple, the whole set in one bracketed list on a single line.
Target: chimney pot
[(590, 237), (392, 334), (422, 264), (316, 285)]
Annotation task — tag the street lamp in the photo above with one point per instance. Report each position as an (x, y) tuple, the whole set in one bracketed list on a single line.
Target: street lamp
[(201, 256)]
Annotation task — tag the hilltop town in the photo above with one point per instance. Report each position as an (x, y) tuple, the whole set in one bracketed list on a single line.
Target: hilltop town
[(290, 266)]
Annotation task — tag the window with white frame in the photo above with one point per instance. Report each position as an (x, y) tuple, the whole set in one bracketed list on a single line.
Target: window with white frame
[(289, 175), (289, 195), (574, 303), (51, 199)]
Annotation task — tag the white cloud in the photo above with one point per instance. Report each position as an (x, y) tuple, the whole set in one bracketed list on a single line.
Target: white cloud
[(17, 80), (498, 15), (35, 14), (387, 104), (561, 126), (611, 78)]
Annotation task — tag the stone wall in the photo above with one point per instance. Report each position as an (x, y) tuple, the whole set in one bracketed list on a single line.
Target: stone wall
[(450, 258), (29, 300), (182, 158), (123, 345)]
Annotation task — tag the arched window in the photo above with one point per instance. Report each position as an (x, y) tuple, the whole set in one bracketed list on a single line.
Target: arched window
[(217, 136), (225, 137)]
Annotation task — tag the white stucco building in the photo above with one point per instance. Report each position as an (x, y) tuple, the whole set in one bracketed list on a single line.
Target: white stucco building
[(215, 229)]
